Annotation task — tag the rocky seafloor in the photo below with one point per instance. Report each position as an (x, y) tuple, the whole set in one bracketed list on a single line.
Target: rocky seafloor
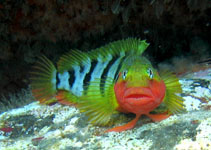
[(58, 127)]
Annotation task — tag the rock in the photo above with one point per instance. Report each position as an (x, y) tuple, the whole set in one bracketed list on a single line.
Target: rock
[(61, 127)]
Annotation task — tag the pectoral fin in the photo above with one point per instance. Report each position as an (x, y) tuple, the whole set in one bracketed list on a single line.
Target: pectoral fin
[(97, 106), (172, 100)]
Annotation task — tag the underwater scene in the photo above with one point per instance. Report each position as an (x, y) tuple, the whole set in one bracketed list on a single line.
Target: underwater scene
[(105, 75)]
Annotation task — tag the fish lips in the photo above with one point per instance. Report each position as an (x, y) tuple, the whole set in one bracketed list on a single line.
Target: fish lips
[(138, 93)]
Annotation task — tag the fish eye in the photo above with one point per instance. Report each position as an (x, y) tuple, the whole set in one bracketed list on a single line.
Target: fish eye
[(124, 74), (150, 73)]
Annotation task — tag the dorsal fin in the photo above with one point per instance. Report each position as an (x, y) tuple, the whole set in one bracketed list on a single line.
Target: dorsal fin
[(70, 59), (76, 57), (129, 45)]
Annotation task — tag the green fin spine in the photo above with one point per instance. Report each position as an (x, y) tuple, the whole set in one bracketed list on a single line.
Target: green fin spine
[(130, 45), (99, 108), (43, 81), (76, 57), (70, 59), (173, 102)]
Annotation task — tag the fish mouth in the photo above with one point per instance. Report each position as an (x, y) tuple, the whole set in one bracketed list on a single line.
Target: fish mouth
[(137, 96), (138, 93)]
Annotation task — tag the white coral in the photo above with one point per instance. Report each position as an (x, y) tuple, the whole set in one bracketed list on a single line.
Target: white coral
[(191, 103)]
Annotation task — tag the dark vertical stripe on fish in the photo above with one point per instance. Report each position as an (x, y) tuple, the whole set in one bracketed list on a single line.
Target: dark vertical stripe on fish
[(71, 78), (105, 73), (118, 69), (57, 79), (82, 69), (88, 76)]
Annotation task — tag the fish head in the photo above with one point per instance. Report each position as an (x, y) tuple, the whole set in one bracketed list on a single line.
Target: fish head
[(139, 88)]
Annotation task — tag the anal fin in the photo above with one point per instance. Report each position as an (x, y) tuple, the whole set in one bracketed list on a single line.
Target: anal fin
[(66, 98)]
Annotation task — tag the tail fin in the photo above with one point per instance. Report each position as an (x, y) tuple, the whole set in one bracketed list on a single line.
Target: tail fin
[(43, 81)]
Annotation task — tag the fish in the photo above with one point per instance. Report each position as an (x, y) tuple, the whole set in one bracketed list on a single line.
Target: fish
[(114, 78)]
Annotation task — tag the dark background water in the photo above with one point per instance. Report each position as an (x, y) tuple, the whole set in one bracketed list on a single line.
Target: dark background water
[(31, 28)]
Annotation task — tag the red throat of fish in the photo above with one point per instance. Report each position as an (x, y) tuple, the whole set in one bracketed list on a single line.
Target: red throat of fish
[(139, 100)]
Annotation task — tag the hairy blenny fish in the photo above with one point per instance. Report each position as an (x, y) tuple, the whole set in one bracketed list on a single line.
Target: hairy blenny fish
[(112, 78)]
